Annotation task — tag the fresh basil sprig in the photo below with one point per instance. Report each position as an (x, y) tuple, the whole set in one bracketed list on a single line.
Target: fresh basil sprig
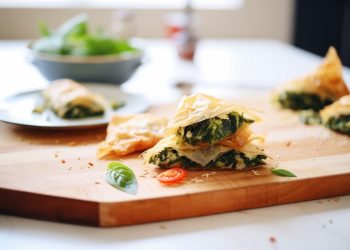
[(282, 172), (121, 177)]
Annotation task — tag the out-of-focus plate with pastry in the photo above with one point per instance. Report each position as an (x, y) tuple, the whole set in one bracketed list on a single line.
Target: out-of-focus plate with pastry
[(31, 108)]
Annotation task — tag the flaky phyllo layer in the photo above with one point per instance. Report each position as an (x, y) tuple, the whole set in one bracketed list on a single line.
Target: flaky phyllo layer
[(71, 100), (202, 120), (207, 132), (337, 115), (317, 89), (127, 134)]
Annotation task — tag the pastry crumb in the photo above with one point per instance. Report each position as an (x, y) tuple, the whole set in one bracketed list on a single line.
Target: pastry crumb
[(196, 180), (255, 172), (72, 143)]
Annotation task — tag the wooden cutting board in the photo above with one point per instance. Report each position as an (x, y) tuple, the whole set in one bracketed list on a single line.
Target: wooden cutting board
[(54, 175)]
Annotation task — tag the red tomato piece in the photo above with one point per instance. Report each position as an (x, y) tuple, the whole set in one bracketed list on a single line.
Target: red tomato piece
[(172, 175)]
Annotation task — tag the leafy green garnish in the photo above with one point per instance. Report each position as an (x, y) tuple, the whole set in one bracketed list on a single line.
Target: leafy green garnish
[(44, 30), (121, 177), (282, 172), (117, 105), (73, 38)]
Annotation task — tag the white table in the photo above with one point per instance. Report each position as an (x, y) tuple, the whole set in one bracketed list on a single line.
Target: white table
[(223, 68)]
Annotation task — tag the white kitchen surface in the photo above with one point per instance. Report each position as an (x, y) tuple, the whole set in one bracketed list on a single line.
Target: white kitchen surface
[(224, 68)]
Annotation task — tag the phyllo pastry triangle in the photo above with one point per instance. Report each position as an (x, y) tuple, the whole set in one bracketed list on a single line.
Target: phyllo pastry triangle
[(71, 100), (202, 120), (208, 133), (130, 133), (337, 115), (317, 89)]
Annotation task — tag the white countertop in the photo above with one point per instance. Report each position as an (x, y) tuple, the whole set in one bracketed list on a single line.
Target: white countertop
[(223, 68)]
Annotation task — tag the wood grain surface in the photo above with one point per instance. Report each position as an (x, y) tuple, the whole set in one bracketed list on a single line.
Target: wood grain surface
[(55, 175)]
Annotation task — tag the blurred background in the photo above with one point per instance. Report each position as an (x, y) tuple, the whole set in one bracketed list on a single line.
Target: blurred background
[(313, 25)]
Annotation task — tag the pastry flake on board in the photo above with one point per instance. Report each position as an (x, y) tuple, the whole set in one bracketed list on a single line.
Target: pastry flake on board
[(130, 133)]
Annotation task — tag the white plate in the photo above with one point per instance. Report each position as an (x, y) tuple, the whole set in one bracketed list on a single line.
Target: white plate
[(18, 109)]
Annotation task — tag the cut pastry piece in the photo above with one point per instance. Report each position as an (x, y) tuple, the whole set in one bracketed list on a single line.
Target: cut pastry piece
[(166, 155), (131, 133), (317, 89), (202, 120), (71, 100), (337, 115)]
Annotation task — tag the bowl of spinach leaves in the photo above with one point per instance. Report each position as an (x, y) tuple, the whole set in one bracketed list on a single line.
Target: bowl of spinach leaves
[(73, 51)]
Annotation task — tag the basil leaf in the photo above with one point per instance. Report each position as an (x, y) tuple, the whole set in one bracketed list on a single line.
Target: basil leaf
[(282, 172), (44, 30), (74, 27), (121, 177)]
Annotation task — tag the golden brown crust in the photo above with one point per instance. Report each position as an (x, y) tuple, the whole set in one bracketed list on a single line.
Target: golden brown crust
[(196, 108), (131, 133), (326, 81), (338, 108), (199, 107), (61, 94)]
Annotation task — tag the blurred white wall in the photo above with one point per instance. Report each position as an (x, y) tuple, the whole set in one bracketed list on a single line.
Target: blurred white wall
[(255, 19)]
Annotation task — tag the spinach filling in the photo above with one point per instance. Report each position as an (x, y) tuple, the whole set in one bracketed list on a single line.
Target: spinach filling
[(339, 124), (229, 160), (301, 101), (310, 117), (212, 130), (77, 112)]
